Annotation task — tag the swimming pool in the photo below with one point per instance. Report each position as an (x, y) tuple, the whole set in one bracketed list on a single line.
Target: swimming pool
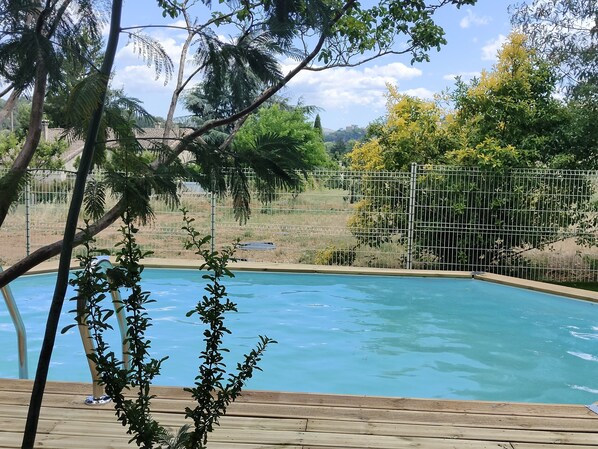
[(373, 335)]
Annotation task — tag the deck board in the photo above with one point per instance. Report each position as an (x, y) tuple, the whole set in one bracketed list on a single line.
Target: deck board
[(262, 420)]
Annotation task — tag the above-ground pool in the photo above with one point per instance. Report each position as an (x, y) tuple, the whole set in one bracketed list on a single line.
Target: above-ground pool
[(351, 334)]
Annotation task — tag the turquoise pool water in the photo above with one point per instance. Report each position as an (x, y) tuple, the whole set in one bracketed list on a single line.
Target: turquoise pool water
[(373, 335)]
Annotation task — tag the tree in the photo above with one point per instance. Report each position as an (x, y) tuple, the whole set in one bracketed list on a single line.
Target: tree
[(74, 70), (476, 212), (41, 375), (318, 126), (342, 35), (33, 38), (46, 157), (565, 33), (514, 104), (290, 123), (412, 132)]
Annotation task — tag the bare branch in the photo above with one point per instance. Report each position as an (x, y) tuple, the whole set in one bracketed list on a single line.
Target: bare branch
[(7, 90)]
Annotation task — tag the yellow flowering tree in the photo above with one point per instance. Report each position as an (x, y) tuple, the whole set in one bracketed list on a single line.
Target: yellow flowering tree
[(514, 104), (476, 211), (413, 132)]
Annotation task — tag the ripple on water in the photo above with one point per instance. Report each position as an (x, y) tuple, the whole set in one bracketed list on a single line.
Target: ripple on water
[(583, 388), (584, 335), (584, 356)]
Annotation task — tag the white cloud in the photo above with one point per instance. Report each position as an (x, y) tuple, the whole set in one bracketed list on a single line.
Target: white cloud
[(349, 88), (139, 77), (419, 92), (473, 19), (139, 81), (490, 50), (395, 70)]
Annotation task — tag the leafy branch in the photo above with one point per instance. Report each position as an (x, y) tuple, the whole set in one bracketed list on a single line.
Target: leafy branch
[(211, 392), (214, 388)]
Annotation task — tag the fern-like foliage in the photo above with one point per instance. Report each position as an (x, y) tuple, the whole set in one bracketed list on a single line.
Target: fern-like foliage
[(235, 72), (239, 188), (56, 31), (122, 152), (286, 19), (94, 201), (84, 99), (275, 159), (153, 53), (277, 164), (130, 176)]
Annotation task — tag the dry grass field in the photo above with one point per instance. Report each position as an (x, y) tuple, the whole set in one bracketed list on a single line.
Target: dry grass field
[(294, 228)]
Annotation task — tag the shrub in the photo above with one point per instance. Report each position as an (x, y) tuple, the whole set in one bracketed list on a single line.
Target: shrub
[(336, 256)]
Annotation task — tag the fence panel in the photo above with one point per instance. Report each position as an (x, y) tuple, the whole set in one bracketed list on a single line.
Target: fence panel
[(536, 223), (528, 223)]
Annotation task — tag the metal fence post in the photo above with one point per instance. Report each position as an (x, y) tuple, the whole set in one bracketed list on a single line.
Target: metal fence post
[(213, 221), (27, 217), (411, 217)]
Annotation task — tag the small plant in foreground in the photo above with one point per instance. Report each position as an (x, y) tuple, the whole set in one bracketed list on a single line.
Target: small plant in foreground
[(214, 389), (92, 285), (212, 393)]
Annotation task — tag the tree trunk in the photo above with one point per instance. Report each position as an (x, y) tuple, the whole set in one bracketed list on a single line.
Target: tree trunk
[(70, 230), (10, 104), (53, 249), (180, 84), (9, 183)]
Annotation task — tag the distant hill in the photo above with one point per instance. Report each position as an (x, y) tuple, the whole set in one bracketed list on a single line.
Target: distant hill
[(341, 141), (352, 132)]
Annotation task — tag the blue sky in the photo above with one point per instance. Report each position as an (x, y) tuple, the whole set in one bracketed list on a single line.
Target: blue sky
[(346, 96)]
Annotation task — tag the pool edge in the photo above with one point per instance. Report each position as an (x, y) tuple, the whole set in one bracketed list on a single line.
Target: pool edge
[(544, 287)]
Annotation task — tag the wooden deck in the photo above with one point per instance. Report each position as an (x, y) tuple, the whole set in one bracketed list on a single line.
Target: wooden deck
[(309, 421)]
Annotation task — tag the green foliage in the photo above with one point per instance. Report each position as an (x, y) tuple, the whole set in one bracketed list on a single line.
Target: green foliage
[(412, 132), (293, 124), (9, 147), (235, 73), (340, 142), (170, 8), (381, 212), (476, 215), (564, 33), (483, 215), (74, 71), (91, 286), (21, 118), (345, 135), (580, 136), (94, 200), (276, 160), (51, 33), (214, 387), (375, 28), (154, 54), (47, 156), (513, 104), (318, 126), (488, 155)]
